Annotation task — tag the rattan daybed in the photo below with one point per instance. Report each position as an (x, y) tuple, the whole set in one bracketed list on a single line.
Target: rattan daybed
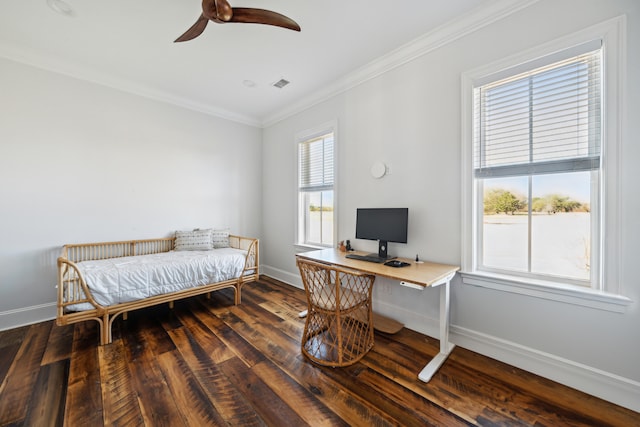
[(78, 299)]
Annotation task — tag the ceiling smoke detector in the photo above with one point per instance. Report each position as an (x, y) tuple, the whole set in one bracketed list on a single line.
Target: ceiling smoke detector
[(281, 83)]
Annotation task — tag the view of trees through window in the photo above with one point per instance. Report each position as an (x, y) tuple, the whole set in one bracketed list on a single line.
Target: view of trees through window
[(546, 233), (499, 200)]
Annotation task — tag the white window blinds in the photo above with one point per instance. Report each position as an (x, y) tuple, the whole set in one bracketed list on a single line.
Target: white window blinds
[(543, 121), (315, 160)]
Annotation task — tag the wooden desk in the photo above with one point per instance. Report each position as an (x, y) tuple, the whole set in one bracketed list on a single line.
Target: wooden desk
[(417, 276)]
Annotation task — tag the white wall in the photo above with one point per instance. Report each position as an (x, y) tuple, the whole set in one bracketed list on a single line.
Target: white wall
[(410, 118), (83, 163)]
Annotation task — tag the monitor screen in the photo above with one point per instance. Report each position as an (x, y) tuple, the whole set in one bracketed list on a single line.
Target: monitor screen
[(383, 224)]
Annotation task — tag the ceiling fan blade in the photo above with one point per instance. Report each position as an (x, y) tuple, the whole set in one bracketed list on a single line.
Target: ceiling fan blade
[(261, 16), (195, 30)]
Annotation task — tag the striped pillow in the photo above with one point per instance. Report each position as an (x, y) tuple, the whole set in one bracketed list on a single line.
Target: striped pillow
[(220, 238), (196, 240)]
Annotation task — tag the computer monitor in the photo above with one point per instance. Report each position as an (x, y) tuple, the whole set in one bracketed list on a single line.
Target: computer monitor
[(382, 224)]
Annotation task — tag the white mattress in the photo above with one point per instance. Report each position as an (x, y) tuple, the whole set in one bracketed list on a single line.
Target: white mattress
[(118, 280)]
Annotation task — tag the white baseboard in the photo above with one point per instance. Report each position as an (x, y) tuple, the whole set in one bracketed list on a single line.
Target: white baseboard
[(411, 319), (27, 316), (283, 276), (605, 385)]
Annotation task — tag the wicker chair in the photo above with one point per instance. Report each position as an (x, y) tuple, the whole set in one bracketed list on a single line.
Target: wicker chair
[(338, 330)]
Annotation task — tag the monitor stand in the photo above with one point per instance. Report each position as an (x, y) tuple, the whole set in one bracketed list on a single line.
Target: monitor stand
[(382, 254), (382, 249)]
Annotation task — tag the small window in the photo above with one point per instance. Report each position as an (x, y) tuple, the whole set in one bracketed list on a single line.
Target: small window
[(316, 206)]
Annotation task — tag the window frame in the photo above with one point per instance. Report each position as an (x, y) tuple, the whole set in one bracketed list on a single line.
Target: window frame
[(608, 295), (491, 161), (300, 225)]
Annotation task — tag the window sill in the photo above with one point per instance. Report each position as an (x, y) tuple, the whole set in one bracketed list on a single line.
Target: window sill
[(548, 290), (301, 247)]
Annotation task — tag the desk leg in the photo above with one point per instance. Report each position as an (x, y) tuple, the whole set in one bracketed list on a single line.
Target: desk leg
[(445, 346)]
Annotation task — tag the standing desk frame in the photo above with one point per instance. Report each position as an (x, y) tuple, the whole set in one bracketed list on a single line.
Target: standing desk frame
[(416, 276)]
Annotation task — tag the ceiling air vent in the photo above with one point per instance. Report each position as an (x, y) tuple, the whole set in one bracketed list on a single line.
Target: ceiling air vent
[(281, 83)]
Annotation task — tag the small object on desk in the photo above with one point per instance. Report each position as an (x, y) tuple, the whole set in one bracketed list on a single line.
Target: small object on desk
[(342, 247), (349, 248), (396, 263), (418, 260)]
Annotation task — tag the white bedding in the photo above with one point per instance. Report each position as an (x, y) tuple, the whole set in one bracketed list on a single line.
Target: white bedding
[(117, 280)]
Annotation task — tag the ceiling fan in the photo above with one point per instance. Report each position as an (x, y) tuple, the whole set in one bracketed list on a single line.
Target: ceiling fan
[(221, 12)]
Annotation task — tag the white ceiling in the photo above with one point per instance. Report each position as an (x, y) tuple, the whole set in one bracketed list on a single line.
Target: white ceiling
[(128, 44)]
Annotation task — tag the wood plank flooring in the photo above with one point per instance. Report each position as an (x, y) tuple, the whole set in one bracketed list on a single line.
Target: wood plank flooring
[(208, 362)]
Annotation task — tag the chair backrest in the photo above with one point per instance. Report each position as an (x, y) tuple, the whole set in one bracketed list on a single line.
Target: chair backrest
[(330, 287)]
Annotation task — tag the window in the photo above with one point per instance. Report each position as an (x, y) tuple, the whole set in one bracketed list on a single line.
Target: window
[(537, 138), (541, 139), (316, 206)]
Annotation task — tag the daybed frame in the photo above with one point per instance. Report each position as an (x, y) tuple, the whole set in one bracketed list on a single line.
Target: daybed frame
[(72, 288)]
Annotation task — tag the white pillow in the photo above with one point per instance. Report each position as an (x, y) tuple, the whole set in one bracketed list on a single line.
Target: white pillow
[(196, 240), (220, 238)]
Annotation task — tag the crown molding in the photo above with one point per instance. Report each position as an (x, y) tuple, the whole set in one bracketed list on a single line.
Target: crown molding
[(50, 63), (486, 14)]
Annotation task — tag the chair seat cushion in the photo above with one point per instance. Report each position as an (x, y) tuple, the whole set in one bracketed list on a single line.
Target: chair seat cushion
[(325, 297)]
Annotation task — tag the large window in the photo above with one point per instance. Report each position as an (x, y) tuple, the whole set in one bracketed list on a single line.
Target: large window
[(537, 139), (540, 155), (316, 206)]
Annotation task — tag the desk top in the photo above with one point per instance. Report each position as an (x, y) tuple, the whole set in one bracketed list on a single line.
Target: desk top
[(425, 273)]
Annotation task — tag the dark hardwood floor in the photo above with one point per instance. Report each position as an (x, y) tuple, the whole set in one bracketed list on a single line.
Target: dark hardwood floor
[(208, 362)]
